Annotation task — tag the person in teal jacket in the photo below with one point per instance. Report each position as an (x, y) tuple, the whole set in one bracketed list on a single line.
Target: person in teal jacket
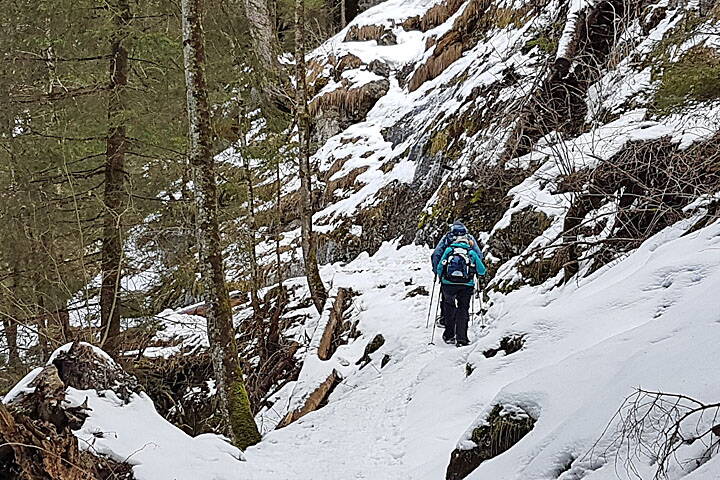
[(457, 269)]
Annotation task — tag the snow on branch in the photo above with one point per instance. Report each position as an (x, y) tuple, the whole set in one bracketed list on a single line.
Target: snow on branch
[(567, 45), (674, 433)]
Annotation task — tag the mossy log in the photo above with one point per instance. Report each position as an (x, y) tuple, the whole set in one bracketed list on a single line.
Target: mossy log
[(372, 347)]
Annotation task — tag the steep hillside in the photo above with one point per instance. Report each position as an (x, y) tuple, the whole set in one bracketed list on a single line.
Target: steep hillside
[(531, 120)]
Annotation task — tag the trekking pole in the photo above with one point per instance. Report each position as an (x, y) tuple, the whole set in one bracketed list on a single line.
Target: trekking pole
[(427, 324), (482, 315), (472, 308), (437, 310)]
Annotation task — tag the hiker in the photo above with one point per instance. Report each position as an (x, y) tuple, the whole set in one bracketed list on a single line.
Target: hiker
[(457, 268), (457, 229)]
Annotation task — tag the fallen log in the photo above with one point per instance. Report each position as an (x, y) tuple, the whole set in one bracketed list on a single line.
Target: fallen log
[(325, 349), (314, 401)]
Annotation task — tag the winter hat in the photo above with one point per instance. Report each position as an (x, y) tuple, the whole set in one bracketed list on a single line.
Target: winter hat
[(458, 228)]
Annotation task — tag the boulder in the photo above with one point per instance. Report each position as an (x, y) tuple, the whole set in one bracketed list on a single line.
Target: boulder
[(504, 426)]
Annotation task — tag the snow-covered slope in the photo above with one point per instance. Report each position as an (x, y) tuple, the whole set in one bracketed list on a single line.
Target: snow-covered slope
[(428, 110), (648, 321)]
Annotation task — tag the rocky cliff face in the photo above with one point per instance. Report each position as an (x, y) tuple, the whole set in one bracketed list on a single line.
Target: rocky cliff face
[(565, 131)]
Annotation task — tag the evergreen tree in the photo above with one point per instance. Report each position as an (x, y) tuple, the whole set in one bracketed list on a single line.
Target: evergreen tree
[(234, 401), (309, 242)]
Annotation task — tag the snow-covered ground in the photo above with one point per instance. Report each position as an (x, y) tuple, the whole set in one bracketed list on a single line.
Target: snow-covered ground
[(650, 321)]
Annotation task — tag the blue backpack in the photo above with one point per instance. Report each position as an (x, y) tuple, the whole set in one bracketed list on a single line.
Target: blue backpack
[(459, 267)]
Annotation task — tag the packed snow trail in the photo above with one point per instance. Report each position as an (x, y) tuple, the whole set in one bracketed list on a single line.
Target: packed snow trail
[(376, 422)]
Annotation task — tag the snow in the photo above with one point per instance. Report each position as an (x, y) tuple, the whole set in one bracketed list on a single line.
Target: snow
[(135, 433), (588, 345), (647, 321), (185, 333), (22, 387), (644, 321)]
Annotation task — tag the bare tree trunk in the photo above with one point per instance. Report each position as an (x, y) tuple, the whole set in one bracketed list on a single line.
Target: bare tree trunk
[(234, 402), (278, 213), (343, 14), (254, 281), (10, 324), (63, 320), (41, 322), (262, 32), (273, 335), (10, 330), (309, 244), (36, 310), (114, 196)]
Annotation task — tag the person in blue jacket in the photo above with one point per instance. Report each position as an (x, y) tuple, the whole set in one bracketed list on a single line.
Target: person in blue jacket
[(457, 268), (457, 229)]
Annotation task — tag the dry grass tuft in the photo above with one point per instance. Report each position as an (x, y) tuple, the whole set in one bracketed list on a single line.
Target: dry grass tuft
[(365, 32), (349, 99), (435, 16)]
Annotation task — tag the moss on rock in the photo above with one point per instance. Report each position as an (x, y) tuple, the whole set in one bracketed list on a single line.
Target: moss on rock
[(503, 428), (693, 78), (525, 226)]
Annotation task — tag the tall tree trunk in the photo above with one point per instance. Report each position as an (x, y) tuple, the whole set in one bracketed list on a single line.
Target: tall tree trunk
[(262, 32), (41, 322), (10, 323), (234, 401), (114, 196), (309, 244), (10, 330), (37, 310), (278, 216), (254, 281), (273, 340)]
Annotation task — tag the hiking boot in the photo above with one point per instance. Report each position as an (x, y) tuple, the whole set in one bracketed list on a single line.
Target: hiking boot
[(440, 323), (461, 343), (449, 341)]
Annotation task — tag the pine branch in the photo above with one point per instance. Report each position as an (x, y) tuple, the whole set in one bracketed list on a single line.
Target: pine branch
[(61, 95)]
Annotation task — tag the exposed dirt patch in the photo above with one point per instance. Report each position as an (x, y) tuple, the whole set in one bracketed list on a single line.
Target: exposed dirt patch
[(380, 33)]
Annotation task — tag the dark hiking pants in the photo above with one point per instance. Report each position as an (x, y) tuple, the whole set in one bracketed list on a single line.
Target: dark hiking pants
[(455, 307)]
